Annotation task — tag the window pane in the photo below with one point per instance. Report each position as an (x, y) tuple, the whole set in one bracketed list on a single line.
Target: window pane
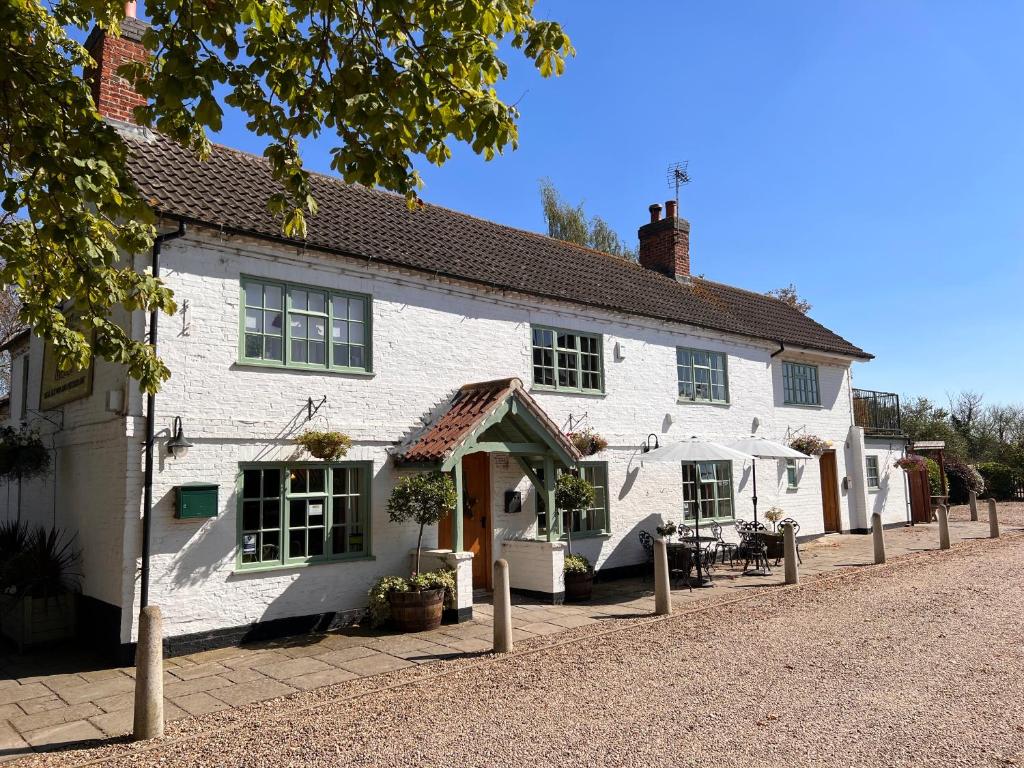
[(299, 298), (340, 353), (250, 515), (299, 351), (271, 549), (339, 306), (297, 543), (317, 352), (253, 320), (298, 323), (316, 480), (316, 542), (317, 302), (298, 480), (272, 513), (297, 513), (355, 332), (272, 296), (357, 357), (340, 481), (274, 348), (356, 310), (253, 345), (339, 331), (251, 484)]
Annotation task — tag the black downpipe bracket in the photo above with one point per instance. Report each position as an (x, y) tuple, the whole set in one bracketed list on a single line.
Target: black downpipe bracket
[(147, 487)]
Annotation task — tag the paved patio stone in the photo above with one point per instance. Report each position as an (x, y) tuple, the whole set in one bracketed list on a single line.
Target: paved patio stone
[(100, 690), (375, 665), (346, 654), (199, 670), (246, 675), (26, 723), (117, 702), (248, 693), (198, 685), (200, 703), (313, 680), (293, 668), (35, 706), (542, 628), (56, 736), (23, 692)]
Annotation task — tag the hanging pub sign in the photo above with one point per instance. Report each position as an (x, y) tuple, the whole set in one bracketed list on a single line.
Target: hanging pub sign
[(61, 387)]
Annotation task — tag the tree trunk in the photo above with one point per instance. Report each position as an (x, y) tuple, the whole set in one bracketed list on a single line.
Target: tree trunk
[(419, 544)]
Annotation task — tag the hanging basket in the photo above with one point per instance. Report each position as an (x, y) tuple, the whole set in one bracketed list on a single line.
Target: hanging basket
[(327, 446), (588, 442), (812, 445)]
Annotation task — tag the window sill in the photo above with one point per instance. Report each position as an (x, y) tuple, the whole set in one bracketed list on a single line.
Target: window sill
[(715, 403), (873, 490), (578, 536), (563, 391), (812, 406), (793, 489), (262, 568), (351, 372)]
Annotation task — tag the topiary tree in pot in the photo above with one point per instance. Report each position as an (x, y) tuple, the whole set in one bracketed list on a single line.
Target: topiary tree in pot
[(416, 603), (573, 495)]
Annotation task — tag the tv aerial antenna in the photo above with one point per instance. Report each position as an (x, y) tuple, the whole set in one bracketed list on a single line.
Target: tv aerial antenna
[(678, 176)]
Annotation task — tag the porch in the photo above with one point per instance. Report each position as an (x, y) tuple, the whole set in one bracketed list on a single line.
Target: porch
[(51, 700)]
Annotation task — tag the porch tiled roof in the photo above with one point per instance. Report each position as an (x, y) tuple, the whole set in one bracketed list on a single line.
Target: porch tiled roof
[(464, 412), (229, 191)]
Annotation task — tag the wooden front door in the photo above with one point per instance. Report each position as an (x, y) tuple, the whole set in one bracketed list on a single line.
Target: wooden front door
[(830, 491), (476, 521)]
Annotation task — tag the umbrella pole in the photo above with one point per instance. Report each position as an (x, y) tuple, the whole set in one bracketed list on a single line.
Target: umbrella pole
[(753, 465)]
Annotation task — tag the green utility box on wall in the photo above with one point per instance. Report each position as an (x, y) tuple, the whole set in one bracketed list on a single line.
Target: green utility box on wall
[(195, 500)]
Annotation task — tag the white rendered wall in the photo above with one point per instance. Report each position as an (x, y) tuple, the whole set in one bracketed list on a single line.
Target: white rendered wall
[(890, 498)]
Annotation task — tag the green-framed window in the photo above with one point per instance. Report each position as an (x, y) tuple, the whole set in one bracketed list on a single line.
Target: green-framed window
[(792, 475), (707, 491), (703, 376), (300, 326), (291, 514), (567, 360), (593, 521), (871, 465), (800, 384)]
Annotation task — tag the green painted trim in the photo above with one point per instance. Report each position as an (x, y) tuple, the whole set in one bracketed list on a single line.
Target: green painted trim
[(458, 543), (560, 534), (286, 335), (693, 380), (549, 498), (535, 481), (817, 385), (366, 508), (534, 424), (525, 449), (579, 370)]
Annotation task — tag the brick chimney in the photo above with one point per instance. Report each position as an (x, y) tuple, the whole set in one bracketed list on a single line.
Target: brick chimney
[(665, 243), (114, 96)]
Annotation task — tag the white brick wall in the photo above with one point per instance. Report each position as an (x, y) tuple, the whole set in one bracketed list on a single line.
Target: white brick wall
[(429, 338), (891, 498)]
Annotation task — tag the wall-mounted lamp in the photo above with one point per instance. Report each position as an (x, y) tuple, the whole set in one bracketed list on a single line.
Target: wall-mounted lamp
[(178, 445), (647, 443)]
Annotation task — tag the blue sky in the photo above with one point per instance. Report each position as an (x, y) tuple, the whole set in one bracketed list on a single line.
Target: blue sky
[(870, 152)]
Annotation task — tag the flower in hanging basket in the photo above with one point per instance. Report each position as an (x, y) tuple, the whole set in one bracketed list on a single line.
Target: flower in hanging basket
[(911, 463), (588, 442), (812, 445), (328, 446), (668, 530), (22, 453)]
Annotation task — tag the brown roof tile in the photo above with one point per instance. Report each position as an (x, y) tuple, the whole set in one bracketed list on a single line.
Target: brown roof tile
[(464, 412), (230, 191)]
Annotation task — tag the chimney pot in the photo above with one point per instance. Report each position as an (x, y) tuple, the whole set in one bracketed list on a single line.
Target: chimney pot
[(129, 9), (665, 243), (670, 209), (655, 212)]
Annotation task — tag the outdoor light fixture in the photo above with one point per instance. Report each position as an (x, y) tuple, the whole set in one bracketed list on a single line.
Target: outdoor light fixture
[(178, 445), (647, 443)]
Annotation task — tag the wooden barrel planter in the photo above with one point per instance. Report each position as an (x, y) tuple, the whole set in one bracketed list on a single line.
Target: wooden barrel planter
[(579, 586), (417, 611)]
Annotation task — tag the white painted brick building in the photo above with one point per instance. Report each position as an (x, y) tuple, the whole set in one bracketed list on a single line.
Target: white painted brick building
[(448, 301)]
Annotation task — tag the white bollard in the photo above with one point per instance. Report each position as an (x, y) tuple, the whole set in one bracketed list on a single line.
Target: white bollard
[(993, 520), (973, 501), (149, 675), (879, 540), (662, 588), (792, 570), (943, 515), (502, 608)]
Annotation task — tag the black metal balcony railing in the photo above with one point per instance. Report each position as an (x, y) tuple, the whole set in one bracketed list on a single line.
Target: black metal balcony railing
[(877, 412)]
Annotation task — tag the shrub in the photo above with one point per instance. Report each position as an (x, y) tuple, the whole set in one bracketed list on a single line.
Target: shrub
[(963, 478), (424, 499), (934, 477), (44, 567), (572, 494), (1000, 479), (380, 593), (576, 564)]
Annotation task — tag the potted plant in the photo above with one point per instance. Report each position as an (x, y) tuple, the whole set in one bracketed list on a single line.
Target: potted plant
[(382, 598), (667, 530), (325, 445), (587, 441), (773, 515), (573, 495), (39, 582), (416, 603), (22, 456), (812, 445), (910, 463)]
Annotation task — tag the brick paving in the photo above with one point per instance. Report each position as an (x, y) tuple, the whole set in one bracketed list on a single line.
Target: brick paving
[(51, 700)]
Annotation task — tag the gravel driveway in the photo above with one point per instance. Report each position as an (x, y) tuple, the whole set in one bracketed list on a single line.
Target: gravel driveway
[(918, 662)]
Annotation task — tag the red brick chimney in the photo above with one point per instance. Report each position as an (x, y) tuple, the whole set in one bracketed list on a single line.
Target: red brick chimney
[(114, 96), (665, 243)]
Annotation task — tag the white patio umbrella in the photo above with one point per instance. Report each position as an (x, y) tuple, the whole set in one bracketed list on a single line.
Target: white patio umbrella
[(762, 448), (695, 449)]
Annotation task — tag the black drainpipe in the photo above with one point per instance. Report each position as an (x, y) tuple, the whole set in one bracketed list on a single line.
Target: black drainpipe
[(147, 488), (781, 349)]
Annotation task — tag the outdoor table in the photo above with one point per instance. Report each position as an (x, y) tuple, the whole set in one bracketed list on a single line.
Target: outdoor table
[(694, 545)]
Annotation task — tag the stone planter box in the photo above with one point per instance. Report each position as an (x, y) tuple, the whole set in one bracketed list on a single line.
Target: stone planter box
[(30, 621)]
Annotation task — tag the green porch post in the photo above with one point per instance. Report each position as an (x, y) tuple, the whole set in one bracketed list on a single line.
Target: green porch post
[(554, 518), (457, 540)]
